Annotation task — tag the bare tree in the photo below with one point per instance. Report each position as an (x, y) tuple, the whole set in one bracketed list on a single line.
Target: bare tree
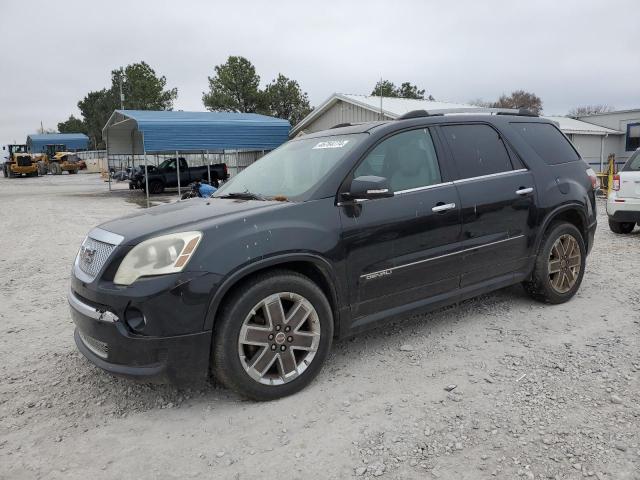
[(589, 110), (520, 99), (478, 102)]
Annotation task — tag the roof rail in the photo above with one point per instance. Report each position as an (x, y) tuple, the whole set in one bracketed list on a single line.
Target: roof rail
[(340, 125), (452, 111)]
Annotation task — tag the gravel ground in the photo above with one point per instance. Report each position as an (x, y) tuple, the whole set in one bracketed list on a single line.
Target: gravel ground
[(497, 387)]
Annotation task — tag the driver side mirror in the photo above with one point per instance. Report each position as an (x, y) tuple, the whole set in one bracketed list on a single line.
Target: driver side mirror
[(369, 187)]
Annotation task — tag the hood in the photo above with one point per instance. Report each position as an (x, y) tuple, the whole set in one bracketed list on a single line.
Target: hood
[(192, 214)]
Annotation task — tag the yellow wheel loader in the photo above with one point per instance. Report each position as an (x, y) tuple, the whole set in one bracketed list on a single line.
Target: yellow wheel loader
[(18, 162), (56, 160)]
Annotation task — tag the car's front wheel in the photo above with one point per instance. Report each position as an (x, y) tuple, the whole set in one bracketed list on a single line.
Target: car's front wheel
[(559, 266), (273, 336)]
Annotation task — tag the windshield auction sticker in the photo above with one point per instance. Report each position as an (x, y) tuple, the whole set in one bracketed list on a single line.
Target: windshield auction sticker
[(331, 144)]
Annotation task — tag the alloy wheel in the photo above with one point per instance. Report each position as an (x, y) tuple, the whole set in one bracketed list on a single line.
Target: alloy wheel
[(279, 338), (565, 262)]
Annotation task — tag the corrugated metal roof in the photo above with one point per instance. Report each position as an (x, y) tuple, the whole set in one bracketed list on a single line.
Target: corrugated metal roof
[(37, 142), (168, 131), (394, 107), (391, 106), (573, 126)]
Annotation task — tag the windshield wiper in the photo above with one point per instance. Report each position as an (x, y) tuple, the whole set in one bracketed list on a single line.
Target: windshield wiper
[(243, 196)]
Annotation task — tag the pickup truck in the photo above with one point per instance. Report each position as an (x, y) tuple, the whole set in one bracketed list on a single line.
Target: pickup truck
[(165, 175)]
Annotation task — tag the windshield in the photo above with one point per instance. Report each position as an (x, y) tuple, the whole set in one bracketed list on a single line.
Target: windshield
[(18, 149), (633, 164), (293, 169)]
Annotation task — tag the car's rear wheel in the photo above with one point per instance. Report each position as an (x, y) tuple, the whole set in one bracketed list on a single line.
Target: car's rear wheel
[(621, 227), (559, 266), (273, 336)]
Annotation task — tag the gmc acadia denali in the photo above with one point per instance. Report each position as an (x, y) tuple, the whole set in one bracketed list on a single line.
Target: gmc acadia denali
[(331, 234)]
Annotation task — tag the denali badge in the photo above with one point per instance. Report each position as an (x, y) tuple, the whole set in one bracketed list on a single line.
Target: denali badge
[(381, 273), (86, 255)]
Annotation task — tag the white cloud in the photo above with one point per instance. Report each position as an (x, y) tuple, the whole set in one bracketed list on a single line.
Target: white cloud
[(53, 53)]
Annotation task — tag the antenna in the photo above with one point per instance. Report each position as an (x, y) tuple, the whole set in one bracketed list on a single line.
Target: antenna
[(381, 114), (121, 94)]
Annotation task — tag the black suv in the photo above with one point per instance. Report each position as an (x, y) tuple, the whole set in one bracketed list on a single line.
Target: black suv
[(331, 234)]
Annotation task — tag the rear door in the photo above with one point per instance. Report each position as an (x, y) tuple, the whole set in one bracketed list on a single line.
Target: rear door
[(400, 250), (630, 178), (497, 198)]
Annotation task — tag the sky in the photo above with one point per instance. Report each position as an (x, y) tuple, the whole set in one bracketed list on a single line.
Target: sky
[(567, 52)]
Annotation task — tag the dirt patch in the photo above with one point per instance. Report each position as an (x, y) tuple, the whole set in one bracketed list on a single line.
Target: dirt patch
[(498, 387)]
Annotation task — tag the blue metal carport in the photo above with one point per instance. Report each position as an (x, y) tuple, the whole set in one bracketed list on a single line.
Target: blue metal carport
[(37, 143), (143, 131)]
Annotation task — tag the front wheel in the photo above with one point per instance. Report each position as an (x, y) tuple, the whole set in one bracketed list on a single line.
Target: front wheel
[(621, 227), (559, 266), (273, 336)]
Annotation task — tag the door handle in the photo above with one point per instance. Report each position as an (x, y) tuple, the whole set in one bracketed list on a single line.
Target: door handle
[(443, 207), (524, 191)]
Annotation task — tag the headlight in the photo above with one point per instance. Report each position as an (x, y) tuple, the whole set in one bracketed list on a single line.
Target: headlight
[(158, 256)]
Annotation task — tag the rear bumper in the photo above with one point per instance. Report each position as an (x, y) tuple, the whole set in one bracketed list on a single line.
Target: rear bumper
[(623, 209), (106, 341)]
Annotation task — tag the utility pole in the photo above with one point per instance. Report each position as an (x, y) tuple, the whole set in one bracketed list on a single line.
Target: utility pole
[(121, 94)]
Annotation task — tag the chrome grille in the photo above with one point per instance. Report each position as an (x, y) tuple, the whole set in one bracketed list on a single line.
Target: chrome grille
[(93, 255), (101, 349)]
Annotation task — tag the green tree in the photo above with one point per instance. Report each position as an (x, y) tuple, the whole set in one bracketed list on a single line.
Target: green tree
[(234, 87), (386, 88), (72, 125), (520, 99), (142, 89), (407, 90), (283, 98), (96, 108)]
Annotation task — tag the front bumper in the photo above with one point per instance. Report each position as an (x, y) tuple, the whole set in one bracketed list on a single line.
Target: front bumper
[(172, 344)]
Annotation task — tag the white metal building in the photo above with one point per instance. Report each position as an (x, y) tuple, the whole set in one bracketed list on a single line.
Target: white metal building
[(595, 140)]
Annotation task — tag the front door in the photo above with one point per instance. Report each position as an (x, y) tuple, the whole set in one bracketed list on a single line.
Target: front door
[(497, 201), (399, 249)]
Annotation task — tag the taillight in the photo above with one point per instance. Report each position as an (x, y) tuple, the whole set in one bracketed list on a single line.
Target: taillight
[(616, 182), (595, 183)]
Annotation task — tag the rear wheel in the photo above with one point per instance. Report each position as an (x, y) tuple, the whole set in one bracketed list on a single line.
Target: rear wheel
[(55, 168), (273, 336), (559, 266), (621, 227)]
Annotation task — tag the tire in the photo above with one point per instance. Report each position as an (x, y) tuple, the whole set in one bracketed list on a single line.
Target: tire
[(290, 290), (156, 186), (55, 168), (42, 168), (621, 227), (556, 287), (4, 171)]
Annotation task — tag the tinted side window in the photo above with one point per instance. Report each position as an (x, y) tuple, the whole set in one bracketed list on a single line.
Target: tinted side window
[(547, 141), (477, 150), (407, 159), (633, 164)]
